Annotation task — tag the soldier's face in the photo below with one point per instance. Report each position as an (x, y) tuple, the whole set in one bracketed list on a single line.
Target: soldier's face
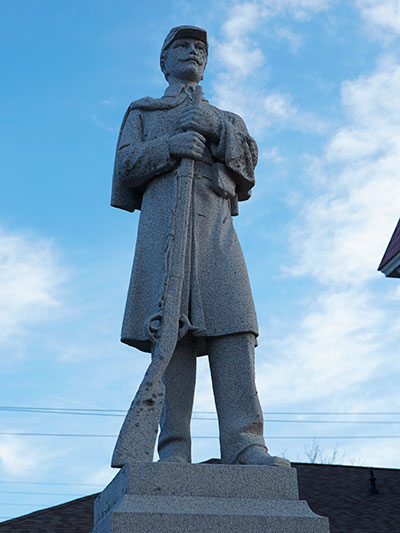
[(186, 59)]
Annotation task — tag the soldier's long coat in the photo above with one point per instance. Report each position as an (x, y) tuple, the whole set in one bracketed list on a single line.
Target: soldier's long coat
[(216, 297)]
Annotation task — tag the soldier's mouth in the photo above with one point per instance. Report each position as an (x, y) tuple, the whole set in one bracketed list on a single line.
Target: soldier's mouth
[(193, 60)]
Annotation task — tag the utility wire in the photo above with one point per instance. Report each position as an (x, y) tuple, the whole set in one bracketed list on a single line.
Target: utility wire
[(41, 493), (289, 421), (31, 434), (43, 505), (318, 421), (95, 435), (122, 412), (50, 483), (59, 411)]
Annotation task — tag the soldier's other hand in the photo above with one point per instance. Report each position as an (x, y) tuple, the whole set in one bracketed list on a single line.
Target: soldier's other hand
[(189, 144), (202, 119)]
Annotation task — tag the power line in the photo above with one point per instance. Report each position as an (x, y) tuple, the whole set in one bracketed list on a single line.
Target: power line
[(29, 434), (90, 435), (350, 413), (319, 421), (50, 483), (26, 504), (41, 493), (334, 437), (122, 412), (312, 413), (60, 411), (329, 413), (30, 408)]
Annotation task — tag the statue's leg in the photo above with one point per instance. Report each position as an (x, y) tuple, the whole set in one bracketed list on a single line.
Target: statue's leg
[(239, 411), (174, 443)]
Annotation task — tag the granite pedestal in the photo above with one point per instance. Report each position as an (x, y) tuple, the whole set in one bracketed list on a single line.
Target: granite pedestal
[(167, 497)]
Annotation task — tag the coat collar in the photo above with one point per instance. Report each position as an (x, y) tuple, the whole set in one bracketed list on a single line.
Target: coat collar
[(174, 90)]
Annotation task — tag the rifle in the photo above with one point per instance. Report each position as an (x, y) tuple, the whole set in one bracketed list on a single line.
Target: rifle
[(138, 434)]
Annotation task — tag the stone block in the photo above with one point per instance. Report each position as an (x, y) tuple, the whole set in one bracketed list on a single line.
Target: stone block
[(167, 497)]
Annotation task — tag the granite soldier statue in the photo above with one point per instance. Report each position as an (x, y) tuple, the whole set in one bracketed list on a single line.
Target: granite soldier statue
[(212, 298)]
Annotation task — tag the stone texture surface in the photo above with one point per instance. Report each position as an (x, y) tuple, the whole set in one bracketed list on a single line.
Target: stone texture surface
[(205, 480), (169, 497), (186, 164), (157, 135)]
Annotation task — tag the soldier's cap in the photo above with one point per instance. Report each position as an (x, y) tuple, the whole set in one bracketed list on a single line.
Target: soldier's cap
[(184, 32)]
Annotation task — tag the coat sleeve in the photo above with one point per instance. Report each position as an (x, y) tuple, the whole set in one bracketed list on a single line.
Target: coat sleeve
[(137, 162), (238, 151)]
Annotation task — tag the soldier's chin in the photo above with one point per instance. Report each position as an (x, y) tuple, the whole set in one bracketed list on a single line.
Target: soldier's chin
[(192, 72)]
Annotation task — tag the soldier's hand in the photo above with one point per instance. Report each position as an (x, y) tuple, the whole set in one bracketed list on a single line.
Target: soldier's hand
[(203, 119), (189, 144)]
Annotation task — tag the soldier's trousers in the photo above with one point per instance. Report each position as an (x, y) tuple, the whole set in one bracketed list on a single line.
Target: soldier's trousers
[(240, 418)]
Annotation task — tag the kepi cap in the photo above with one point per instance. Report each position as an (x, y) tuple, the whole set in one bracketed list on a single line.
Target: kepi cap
[(182, 32)]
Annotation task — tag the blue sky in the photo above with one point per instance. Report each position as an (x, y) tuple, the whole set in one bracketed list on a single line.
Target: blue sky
[(317, 82)]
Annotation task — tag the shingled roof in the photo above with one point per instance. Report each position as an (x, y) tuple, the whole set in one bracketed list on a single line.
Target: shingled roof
[(72, 517), (390, 264), (342, 493)]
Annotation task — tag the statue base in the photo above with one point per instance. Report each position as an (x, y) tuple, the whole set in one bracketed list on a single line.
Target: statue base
[(171, 497)]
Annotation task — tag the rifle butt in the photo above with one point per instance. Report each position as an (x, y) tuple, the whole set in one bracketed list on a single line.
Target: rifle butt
[(137, 438)]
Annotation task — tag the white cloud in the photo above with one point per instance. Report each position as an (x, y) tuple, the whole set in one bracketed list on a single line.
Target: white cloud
[(345, 228), (380, 453), (346, 336), (242, 59), (371, 103), (101, 124), (332, 350), (237, 52), (108, 101), (395, 294), (287, 34), (299, 9), (18, 459), (381, 15), (244, 18), (278, 108), (30, 279), (271, 154), (101, 476)]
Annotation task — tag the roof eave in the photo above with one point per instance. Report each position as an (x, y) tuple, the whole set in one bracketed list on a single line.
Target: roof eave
[(391, 269)]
